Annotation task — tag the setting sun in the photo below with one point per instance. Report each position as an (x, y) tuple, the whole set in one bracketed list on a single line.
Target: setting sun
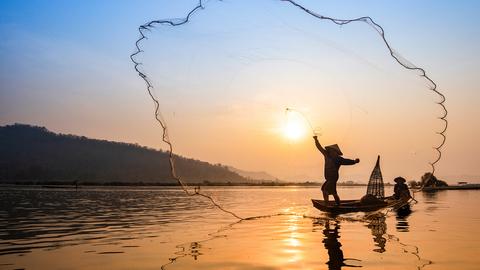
[(295, 128)]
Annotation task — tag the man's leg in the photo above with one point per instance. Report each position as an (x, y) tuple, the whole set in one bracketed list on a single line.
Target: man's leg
[(325, 193), (335, 194), (325, 196), (337, 199)]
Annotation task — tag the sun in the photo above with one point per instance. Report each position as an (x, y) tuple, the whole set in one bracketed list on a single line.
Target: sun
[(294, 128)]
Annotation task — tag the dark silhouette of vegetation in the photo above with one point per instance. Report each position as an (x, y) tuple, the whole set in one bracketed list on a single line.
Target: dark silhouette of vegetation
[(32, 154), (428, 180)]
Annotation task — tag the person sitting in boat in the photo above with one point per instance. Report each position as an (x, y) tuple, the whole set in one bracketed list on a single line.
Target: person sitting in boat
[(400, 190), (333, 161)]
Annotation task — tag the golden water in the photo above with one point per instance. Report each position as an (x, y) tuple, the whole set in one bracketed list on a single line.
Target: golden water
[(151, 228)]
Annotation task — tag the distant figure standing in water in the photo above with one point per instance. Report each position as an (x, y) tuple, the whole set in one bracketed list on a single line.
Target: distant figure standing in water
[(333, 161)]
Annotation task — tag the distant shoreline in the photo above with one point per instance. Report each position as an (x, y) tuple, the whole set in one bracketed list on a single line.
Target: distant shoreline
[(54, 184), (457, 187), (63, 185)]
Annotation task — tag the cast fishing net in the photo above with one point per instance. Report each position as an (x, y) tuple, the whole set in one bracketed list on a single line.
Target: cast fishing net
[(308, 14)]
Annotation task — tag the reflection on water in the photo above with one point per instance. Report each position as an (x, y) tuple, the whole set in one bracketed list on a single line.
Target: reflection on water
[(33, 219), (431, 199), (430, 196), (145, 228), (402, 219), (379, 228), (333, 246)]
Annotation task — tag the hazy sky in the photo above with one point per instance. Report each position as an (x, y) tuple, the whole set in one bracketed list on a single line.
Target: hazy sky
[(225, 79)]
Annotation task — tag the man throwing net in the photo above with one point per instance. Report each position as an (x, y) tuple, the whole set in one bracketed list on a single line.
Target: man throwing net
[(333, 161)]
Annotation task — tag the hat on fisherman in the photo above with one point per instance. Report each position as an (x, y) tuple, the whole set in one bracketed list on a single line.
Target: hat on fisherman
[(399, 180), (336, 148)]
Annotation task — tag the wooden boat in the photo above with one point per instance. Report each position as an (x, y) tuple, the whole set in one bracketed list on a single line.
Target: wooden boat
[(349, 206), (375, 189)]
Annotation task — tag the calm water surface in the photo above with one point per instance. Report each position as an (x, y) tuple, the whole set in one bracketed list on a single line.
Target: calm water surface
[(160, 228)]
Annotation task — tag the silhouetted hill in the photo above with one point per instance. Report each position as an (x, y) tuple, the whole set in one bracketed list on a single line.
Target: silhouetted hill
[(35, 154), (258, 176)]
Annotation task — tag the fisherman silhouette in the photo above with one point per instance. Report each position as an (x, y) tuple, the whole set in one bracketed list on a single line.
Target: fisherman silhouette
[(401, 189), (333, 161)]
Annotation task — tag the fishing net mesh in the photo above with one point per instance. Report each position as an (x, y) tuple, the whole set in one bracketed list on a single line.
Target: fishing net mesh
[(375, 186)]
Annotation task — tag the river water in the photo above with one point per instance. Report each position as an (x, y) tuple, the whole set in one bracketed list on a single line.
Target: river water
[(161, 228)]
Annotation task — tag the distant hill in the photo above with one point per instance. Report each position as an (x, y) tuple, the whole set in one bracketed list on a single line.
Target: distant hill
[(258, 176), (35, 154)]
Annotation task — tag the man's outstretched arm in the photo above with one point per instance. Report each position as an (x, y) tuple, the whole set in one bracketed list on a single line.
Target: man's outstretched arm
[(346, 161), (319, 146)]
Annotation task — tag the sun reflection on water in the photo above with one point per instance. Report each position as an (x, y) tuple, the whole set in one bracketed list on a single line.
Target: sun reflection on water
[(293, 244)]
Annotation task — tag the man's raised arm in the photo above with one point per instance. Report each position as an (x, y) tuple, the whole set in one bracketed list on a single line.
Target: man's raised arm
[(319, 146)]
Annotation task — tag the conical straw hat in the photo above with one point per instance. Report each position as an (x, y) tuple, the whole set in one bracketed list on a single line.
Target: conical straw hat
[(399, 180), (336, 148)]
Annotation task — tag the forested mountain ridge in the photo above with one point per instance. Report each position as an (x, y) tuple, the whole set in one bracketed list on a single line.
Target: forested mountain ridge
[(35, 154)]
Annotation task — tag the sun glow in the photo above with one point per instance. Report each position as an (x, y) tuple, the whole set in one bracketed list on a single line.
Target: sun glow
[(294, 128)]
